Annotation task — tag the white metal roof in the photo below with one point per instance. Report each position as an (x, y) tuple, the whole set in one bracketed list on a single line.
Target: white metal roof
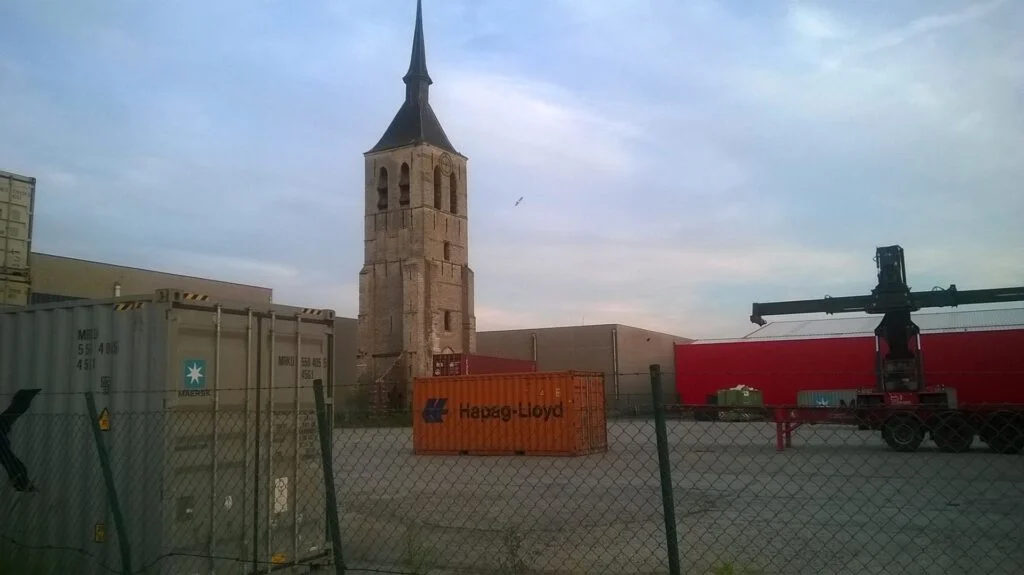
[(864, 325)]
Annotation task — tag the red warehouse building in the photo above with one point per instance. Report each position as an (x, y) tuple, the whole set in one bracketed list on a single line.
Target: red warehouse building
[(979, 353)]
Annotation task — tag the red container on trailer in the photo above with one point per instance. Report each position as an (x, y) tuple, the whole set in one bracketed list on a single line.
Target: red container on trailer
[(980, 357), (779, 369)]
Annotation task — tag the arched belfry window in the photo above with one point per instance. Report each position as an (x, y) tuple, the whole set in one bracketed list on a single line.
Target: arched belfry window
[(403, 186), (382, 189), (437, 187), (453, 193)]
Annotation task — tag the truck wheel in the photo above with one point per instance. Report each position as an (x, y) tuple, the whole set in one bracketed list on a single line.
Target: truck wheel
[(952, 434), (903, 433), (1006, 434)]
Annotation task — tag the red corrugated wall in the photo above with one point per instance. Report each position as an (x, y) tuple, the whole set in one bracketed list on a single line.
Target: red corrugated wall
[(983, 366), (489, 364)]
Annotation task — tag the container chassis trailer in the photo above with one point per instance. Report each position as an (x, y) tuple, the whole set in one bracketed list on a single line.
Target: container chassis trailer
[(901, 405)]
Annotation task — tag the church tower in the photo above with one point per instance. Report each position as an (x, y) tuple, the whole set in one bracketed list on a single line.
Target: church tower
[(415, 287)]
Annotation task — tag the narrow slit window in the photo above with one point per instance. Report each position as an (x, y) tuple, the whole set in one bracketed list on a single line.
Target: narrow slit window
[(447, 251), (403, 186), (382, 189), (437, 187), (447, 320), (453, 194)]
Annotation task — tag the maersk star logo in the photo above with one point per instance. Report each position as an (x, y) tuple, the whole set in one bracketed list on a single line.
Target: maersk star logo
[(195, 374)]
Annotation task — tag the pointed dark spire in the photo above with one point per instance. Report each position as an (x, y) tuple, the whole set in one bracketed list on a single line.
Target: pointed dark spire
[(415, 122), (417, 73)]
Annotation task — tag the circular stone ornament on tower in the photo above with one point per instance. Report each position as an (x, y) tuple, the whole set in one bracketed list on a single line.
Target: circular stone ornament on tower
[(446, 164)]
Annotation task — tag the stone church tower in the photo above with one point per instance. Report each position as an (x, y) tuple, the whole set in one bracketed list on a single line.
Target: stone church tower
[(415, 287)]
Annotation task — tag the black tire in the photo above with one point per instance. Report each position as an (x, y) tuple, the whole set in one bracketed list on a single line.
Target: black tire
[(953, 434), (1005, 434), (903, 433)]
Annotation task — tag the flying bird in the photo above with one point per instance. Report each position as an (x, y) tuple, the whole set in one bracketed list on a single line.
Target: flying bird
[(16, 470), (519, 200)]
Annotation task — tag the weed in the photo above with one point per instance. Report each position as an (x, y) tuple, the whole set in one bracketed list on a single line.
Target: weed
[(417, 556), (512, 561)]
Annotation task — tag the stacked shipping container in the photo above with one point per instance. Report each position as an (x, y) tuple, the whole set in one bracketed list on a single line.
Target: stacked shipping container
[(17, 198), (977, 353), (446, 364), (207, 413)]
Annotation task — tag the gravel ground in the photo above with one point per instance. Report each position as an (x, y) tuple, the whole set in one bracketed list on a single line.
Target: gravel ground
[(837, 502)]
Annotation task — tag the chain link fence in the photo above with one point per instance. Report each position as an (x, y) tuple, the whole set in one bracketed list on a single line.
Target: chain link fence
[(681, 489)]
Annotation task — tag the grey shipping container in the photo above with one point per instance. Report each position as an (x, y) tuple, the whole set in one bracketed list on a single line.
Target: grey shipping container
[(208, 415)]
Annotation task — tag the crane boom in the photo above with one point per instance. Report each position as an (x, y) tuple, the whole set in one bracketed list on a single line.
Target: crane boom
[(900, 369), (949, 297)]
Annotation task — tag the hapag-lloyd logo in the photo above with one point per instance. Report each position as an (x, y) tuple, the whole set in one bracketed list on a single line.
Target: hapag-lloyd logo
[(505, 413)]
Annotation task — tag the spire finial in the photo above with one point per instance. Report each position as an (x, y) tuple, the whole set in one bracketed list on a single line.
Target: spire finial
[(417, 79), (415, 122)]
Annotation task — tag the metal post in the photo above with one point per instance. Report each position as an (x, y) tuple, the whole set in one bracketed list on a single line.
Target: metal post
[(324, 427), (296, 408), (108, 480), (212, 541), (665, 468), (271, 484), (257, 434)]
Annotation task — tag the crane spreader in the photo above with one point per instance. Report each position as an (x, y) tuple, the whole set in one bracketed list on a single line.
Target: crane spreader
[(901, 404)]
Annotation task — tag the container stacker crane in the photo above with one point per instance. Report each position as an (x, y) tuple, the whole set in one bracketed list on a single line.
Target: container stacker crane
[(901, 405)]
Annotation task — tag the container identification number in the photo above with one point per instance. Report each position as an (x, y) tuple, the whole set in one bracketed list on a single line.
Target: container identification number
[(90, 346), (309, 364)]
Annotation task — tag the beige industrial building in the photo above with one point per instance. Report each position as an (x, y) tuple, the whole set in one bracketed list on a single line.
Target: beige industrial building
[(623, 353), (57, 278)]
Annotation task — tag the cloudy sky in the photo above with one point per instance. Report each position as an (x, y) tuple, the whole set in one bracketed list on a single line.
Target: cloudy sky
[(677, 160)]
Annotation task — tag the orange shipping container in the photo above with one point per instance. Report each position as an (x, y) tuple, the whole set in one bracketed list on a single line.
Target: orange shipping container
[(539, 413)]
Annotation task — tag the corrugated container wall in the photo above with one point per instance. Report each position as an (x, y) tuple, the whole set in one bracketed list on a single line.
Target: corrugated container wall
[(17, 202), (827, 398), (542, 413), (475, 364), (983, 366), (212, 432)]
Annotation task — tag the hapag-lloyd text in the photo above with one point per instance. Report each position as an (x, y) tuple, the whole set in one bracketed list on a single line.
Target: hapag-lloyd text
[(507, 412)]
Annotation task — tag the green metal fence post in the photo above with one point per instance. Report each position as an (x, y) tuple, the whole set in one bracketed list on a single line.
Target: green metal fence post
[(108, 480), (325, 428), (665, 468)]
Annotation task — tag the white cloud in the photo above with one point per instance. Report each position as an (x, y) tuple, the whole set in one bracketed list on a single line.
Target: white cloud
[(814, 23), (922, 26), (534, 125), (634, 264)]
